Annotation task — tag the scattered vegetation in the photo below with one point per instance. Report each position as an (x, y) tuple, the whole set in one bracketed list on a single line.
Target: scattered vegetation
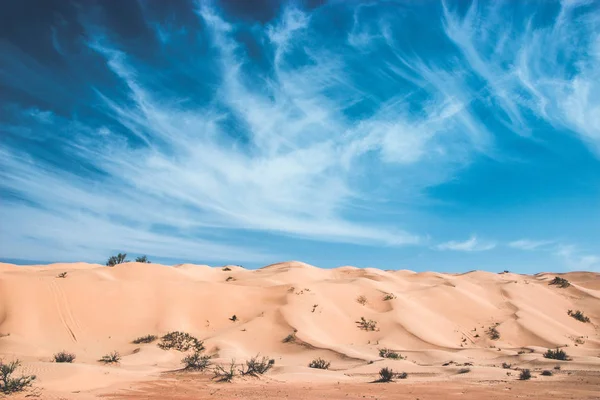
[(547, 373), (578, 315), (196, 361), (525, 375), (111, 358), (118, 259), (145, 339), (506, 365), (403, 375), (64, 357), (319, 363), (230, 278), (315, 307), (367, 325), (233, 318), (62, 275), (560, 282), (257, 366), (142, 259), (387, 353), (226, 269), (361, 300), (389, 296), (558, 354), (385, 375), (10, 384), (224, 374), (180, 341), (557, 367), (493, 332), (291, 338), (464, 370)]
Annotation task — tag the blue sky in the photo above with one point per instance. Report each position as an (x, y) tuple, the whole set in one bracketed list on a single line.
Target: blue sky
[(443, 136)]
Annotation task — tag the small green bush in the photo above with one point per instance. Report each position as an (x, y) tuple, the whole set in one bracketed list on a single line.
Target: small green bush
[(257, 366), (493, 333), (558, 354), (387, 353), (291, 338), (64, 357), (464, 370), (403, 375), (319, 363), (145, 339), (180, 341), (547, 373), (578, 315), (506, 365), (111, 358), (62, 275), (389, 296), (223, 374), (525, 375), (361, 300), (10, 384), (196, 361), (367, 325), (385, 375), (142, 259), (560, 282), (118, 259)]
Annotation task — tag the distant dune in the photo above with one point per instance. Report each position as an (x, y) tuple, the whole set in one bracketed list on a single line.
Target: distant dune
[(430, 318)]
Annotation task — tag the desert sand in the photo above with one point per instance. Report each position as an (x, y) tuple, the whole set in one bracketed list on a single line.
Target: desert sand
[(439, 322)]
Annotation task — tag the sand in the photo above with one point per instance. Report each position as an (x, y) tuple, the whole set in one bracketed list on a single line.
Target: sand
[(438, 322)]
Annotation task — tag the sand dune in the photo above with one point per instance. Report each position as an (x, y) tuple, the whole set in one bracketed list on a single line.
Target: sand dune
[(430, 318)]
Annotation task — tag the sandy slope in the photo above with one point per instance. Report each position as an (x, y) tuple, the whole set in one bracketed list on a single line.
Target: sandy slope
[(433, 319)]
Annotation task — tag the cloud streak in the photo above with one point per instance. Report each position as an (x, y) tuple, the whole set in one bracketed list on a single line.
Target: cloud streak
[(549, 71), (469, 245), (526, 244), (576, 260)]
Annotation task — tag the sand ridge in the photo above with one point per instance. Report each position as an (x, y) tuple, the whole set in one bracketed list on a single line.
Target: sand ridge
[(430, 318)]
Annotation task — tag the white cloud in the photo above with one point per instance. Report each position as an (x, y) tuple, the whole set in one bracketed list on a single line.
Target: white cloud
[(304, 162), (471, 244), (575, 259), (189, 177), (550, 71), (526, 244)]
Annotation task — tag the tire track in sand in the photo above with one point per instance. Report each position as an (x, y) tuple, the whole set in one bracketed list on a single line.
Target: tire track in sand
[(64, 311)]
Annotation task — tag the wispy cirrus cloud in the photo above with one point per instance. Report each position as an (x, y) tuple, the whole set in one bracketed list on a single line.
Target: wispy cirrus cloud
[(527, 244), (469, 245), (570, 255), (270, 151), (575, 259), (547, 70)]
